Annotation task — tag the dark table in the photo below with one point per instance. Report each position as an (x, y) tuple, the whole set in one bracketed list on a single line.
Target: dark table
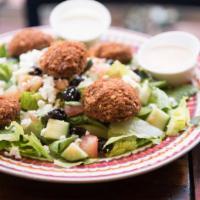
[(179, 180)]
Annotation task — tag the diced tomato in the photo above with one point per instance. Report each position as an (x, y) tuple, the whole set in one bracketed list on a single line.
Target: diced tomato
[(89, 144), (100, 69), (72, 111)]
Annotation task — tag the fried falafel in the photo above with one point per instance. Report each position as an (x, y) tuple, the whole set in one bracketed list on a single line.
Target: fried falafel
[(9, 110), (28, 39), (64, 59), (112, 50), (111, 100)]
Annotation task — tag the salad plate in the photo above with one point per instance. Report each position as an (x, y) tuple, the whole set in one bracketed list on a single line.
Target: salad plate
[(143, 159)]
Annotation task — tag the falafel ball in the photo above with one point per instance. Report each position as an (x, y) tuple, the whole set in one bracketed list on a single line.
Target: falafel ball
[(9, 110), (28, 39), (64, 59), (112, 50), (111, 100)]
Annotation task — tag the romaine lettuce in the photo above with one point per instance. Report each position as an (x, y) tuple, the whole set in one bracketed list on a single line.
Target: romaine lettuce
[(179, 118)]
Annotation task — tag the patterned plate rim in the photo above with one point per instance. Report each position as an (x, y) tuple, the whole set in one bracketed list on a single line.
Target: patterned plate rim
[(118, 170)]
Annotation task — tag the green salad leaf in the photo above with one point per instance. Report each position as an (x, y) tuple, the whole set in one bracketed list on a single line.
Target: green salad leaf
[(121, 144), (11, 133), (135, 126), (182, 91), (60, 145), (28, 100), (179, 118), (160, 98), (89, 124), (5, 72), (3, 51), (33, 142)]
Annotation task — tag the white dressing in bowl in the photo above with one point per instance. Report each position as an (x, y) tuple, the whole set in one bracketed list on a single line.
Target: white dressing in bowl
[(170, 56), (81, 20)]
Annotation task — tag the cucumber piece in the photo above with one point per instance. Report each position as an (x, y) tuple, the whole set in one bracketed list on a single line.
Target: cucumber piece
[(145, 93), (59, 145), (74, 153), (158, 118), (55, 129)]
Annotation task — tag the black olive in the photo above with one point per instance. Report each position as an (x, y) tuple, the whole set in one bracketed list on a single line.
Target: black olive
[(101, 143), (57, 114), (110, 61), (71, 94), (80, 131), (36, 72), (88, 66), (76, 80)]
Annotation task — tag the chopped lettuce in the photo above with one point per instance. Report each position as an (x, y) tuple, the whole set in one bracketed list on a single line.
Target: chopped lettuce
[(34, 143), (11, 133), (145, 92), (179, 118), (121, 144), (3, 51), (158, 84), (183, 91), (83, 119), (119, 70), (144, 111), (160, 98), (136, 126), (60, 145), (35, 127), (28, 100), (5, 72)]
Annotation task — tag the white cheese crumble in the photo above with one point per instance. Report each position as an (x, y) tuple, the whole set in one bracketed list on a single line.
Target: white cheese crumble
[(27, 61), (14, 151), (78, 141), (48, 91), (62, 137), (43, 131), (26, 122), (46, 148), (44, 110)]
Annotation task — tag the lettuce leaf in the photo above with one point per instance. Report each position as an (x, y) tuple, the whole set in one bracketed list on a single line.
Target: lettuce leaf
[(121, 144), (182, 91), (11, 133), (160, 98), (34, 143), (180, 118), (5, 72), (60, 145), (136, 126), (3, 51)]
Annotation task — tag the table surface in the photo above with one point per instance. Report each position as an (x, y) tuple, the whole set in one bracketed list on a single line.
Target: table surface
[(179, 180)]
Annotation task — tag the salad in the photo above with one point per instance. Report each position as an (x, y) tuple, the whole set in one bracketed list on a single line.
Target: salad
[(61, 102)]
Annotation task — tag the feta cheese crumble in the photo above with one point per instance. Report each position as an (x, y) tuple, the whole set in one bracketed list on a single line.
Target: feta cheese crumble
[(48, 91)]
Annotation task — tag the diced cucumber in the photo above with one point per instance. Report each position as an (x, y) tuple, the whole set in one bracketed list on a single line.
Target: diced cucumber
[(59, 145), (145, 93), (74, 153), (55, 129), (158, 118)]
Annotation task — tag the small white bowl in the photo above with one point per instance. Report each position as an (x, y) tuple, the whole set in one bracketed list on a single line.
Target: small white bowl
[(81, 20), (179, 72)]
